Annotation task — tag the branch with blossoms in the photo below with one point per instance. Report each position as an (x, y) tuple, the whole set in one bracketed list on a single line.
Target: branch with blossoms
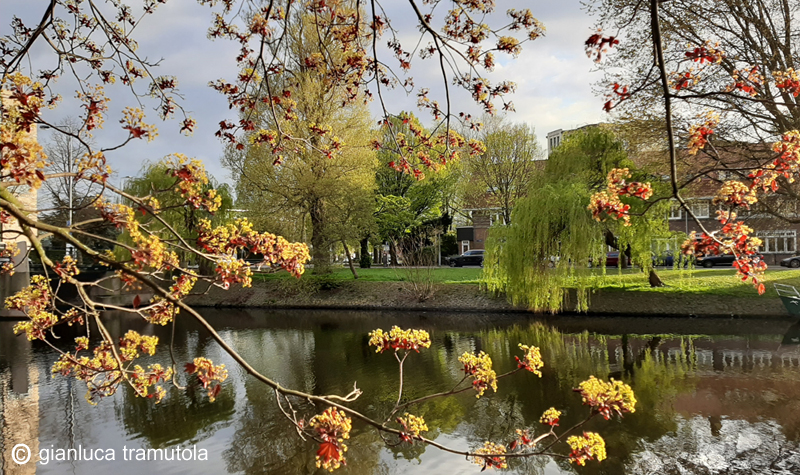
[(95, 50), (152, 262), (607, 203), (332, 427), (706, 72)]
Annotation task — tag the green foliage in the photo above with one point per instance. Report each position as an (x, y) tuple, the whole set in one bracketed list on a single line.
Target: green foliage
[(553, 238), (155, 180), (403, 203), (304, 193)]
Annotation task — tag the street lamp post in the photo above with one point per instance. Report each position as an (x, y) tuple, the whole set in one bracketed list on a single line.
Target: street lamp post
[(70, 185)]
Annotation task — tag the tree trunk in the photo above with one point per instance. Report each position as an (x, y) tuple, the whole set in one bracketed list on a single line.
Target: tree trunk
[(320, 255), (655, 280), (349, 259), (392, 253), (366, 260)]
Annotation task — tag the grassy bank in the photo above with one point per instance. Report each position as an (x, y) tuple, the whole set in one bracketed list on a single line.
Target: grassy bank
[(698, 281), (694, 281)]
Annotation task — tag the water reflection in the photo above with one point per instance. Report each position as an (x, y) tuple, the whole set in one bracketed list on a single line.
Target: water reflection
[(710, 402)]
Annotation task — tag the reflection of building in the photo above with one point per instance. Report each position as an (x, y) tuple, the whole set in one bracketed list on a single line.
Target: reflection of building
[(19, 404)]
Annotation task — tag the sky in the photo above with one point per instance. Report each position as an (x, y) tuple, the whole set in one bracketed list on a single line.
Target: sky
[(553, 75)]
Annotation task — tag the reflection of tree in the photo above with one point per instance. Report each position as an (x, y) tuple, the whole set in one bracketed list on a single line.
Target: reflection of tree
[(182, 417), (572, 358), (328, 359), (325, 355)]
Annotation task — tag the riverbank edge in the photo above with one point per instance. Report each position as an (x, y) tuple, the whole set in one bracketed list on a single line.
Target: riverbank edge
[(357, 295)]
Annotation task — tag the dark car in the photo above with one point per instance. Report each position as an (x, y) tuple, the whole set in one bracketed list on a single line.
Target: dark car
[(793, 262), (716, 260), (469, 258), (666, 258)]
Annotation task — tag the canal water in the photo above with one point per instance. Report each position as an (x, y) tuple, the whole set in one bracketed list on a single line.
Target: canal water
[(715, 396)]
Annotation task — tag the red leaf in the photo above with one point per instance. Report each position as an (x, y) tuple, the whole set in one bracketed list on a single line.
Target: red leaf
[(761, 289), (190, 368), (327, 451), (136, 301), (216, 390)]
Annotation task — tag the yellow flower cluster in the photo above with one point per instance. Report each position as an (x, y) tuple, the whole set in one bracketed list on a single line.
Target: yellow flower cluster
[(608, 397), (487, 459), (333, 427), (586, 447), (698, 133), (143, 379), (399, 339), (736, 193), (480, 368), (412, 425), (192, 178), (33, 301), (550, 417), (532, 361), (133, 120), (130, 344), (224, 242), (101, 372), (207, 373)]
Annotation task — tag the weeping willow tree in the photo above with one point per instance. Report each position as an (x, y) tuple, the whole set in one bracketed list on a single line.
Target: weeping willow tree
[(553, 239)]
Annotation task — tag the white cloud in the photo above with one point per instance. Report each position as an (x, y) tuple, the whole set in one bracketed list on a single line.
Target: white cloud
[(553, 76)]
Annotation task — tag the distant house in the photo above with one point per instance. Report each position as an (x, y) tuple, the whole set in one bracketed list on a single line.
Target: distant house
[(555, 137), (733, 162), (472, 231)]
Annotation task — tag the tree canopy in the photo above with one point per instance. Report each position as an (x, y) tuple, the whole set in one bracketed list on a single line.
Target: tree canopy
[(553, 236), (499, 176)]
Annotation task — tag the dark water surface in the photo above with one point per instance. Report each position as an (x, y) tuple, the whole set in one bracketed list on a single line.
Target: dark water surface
[(715, 396)]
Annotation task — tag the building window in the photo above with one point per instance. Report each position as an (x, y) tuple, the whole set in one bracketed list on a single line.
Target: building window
[(725, 175), (464, 246), (497, 218), (699, 209), (675, 211), (778, 241)]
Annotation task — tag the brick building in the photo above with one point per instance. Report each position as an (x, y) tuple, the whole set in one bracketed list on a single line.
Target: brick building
[(770, 218), (28, 197)]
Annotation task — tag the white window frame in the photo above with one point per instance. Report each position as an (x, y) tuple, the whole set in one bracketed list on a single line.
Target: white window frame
[(464, 246), (675, 211), (700, 208), (782, 241)]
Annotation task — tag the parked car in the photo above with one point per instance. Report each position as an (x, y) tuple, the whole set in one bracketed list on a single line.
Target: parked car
[(715, 260), (667, 259), (473, 257), (793, 262)]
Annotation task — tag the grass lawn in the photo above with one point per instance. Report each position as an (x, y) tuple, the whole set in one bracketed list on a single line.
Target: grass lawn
[(443, 275), (696, 281)]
